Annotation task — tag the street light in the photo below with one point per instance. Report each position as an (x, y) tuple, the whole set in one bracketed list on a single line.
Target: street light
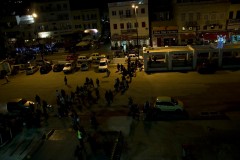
[(136, 25)]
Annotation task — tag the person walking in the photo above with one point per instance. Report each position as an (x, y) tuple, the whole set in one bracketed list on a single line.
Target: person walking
[(97, 93), (108, 72), (6, 78), (44, 108), (91, 83), (107, 97), (38, 100), (118, 67), (97, 82), (110, 94), (65, 80)]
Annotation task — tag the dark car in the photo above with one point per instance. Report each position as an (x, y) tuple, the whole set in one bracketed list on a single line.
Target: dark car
[(41, 62), (45, 68), (58, 67), (207, 67), (20, 105)]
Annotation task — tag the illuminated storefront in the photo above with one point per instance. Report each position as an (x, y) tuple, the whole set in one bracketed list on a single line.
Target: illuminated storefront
[(164, 36)]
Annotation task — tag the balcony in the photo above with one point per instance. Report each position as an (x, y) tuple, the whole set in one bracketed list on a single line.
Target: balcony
[(128, 31)]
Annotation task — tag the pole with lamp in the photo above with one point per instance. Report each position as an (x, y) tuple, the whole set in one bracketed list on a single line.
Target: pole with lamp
[(35, 30), (135, 7)]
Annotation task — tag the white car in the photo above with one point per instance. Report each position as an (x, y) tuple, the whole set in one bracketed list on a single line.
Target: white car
[(69, 67), (133, 57), (31, 70), (103, 64), (82, 59), (165, 103), (94, 56)]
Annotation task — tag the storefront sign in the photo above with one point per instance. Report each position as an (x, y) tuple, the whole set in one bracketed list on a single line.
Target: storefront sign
[(165, 32)]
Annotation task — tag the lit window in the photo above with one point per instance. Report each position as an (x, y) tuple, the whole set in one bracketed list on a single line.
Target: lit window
[(183, 28)]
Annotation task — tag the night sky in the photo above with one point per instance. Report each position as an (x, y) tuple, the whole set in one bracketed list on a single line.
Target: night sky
[(20, 9)]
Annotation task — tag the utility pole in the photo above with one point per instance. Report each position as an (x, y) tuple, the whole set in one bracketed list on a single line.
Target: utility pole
[(136, 25)]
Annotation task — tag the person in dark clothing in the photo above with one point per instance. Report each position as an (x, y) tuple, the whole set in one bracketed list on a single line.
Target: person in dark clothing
[(38, 100), (107, 97), (97, 82), (110, 94), (65, 80), (44, 107), (78, 152), (97, 93), (63, 93), (91, 82), (121, 67), (87, 80), (118, 67)]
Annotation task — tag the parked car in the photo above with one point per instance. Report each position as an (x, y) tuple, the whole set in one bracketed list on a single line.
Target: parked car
[(82, 59), (45, 68), (133, 57), (69, 67), (41, 62), (20, 105), (94, 57), (165, 103), (31, 70), (103, 65), (58, 67), (84, 67), (71, 57)]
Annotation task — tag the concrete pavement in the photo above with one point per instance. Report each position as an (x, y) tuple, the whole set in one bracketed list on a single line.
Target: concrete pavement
[(212, 139)]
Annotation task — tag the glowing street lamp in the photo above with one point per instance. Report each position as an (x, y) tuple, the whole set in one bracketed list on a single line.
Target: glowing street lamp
[(135, 12), (34, 15)]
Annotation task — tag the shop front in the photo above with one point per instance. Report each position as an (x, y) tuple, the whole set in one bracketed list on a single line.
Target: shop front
[(187, 38), (212, 37), (164, 36), (234, 30), (126, 42)]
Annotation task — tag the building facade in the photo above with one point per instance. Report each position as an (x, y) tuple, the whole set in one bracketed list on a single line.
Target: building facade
[(54, 18), (233, 23), (129, 25), (197, 25), (87, 20), (164, 31)]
